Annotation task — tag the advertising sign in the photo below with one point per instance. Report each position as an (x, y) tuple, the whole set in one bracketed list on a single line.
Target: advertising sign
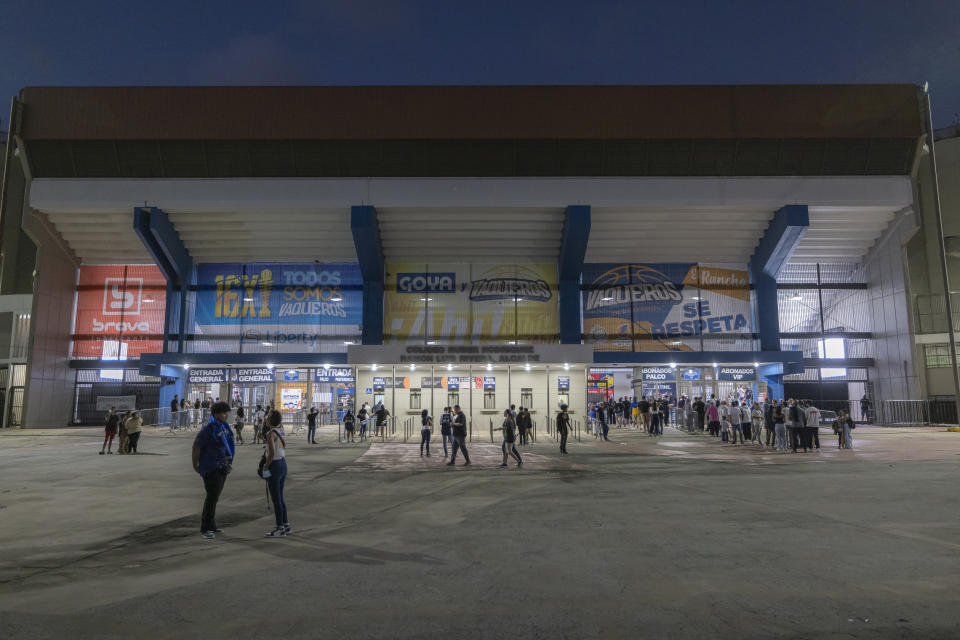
[(339, 374), (436, 382), (691, 374), (736, 374), (563, 383), (207, 376), (658, 373), (122, 306), (288, 307), (453, 383), (291, 399), (482, 302), (291, 375), (489, 383), (379, 384), (247, 375), (653, 389), (651, 307)]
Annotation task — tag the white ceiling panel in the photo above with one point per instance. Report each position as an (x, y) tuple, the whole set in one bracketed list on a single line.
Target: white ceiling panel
[(471, 234), (101, 238)]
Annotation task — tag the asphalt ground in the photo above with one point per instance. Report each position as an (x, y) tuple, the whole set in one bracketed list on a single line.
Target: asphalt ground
[(676, 537)]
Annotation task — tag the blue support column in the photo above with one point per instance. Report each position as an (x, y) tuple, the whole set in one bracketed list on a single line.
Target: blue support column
[(573, 250), (774, 250), (163, 244), (366, 238)]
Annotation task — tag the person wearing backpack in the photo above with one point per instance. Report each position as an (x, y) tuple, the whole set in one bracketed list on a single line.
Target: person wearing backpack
[(446, 420), (426, 425), (213, 453), (274, 465)]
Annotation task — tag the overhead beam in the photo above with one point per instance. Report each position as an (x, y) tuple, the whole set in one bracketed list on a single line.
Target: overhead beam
[(366, 239), (573, 251), (786, 230)]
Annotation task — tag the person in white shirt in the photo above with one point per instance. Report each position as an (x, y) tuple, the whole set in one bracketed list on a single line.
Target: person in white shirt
[(813, 425)]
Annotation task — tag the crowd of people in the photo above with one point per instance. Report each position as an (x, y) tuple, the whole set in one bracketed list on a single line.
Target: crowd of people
[(125, 428)]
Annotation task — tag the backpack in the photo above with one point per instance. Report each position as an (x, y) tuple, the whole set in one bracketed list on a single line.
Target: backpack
[(263, 457)]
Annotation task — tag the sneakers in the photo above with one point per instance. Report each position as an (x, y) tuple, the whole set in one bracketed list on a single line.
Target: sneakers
[(504, 464), (279, 532), (208, 535), (466, 464), (102, 452), (428, 454), (218, 530), (451, 463), (288, 528)]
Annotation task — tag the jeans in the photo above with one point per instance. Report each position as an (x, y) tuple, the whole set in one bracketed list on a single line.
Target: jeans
[(781, 436), (213, 483), (606, 430), (459, 442), (312, 433), (425, 440), (446, 437), (278, 475), (563, 441), (847, 437), (814, 437), (511, 449), (134, 439), (737, 430)]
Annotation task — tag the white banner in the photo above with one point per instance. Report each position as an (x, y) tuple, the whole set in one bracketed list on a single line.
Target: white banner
[(120, 403)]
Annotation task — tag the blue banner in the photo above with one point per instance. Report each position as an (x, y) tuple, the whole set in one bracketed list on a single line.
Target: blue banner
[(279, 294), (250, 375), (207, 376), (691, 374), (489, 383), (736, 374), (563, 383), (657, 373), (338, 374)]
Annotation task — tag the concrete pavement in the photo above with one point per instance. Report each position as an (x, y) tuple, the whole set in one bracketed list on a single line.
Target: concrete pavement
[(679, 537)]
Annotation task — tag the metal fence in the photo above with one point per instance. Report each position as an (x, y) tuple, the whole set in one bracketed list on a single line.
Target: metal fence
[(894, 413)]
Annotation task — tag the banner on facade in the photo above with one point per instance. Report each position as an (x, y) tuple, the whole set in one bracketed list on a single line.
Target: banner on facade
[(453, 383), (288, 307), (119, 311), (691, 374), (653, 307), (563, 383), (478, 302), (207, 375), (469, 354), (489, 383)]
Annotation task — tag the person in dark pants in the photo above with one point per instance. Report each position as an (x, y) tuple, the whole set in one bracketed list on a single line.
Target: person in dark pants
[(563, 428), (275, 473), (604, 427), (446, 422), (426, 426), (110, 430), (174, 408), (312, 425), (459, 437), (509, 440), (134, 426), (524, 424), (213, 452)]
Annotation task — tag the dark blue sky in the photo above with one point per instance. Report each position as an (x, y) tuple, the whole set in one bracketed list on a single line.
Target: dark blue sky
[(492, 42)]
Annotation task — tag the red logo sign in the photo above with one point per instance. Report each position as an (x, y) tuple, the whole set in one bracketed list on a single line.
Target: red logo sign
[(120, 312)]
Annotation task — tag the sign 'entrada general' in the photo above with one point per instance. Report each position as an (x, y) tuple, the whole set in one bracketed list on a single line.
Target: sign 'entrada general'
[(469, 354)]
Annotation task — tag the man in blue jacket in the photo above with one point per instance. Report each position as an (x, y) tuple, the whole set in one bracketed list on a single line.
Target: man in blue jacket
[(213, 451)]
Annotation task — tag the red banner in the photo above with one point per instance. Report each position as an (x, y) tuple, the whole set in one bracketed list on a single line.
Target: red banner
[(120, 312)]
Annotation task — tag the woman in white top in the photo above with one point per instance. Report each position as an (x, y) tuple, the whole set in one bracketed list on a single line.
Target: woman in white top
[(276, 472)]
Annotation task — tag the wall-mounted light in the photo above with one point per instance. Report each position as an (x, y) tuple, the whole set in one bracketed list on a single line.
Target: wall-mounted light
[(412, 367), (756, 364), (269, 365), (326, 366), (449, 367), (489, 367), (186, 366), (373, 367)]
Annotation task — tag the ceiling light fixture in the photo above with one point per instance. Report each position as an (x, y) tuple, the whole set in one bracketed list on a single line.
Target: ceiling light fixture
[(796, 297), (412, 367), (449, 367), (269, 365)]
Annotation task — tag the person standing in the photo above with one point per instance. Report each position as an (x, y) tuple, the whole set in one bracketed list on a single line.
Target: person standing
[(769, 408), (865, 408), (238, 423), (524, 425), (509, 446), (312, 425), (563, 428), (757, 420), (459, 437), (134, 425), (736, 422), (604, 427), (174, 407), (426, 426), (712, 414), (813, 426), (110, 430), (348, 425), (700, 408), (446, 420), (276, 463), (780, 427), (364, 419), (213, 454), (644, 407), (846, 430), (381, 424)]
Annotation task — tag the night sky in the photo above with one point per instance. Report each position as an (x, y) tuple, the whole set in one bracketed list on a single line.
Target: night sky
[(455, 42)]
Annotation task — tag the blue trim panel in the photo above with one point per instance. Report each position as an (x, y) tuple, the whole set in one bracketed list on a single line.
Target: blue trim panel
[(366, 239), (150, 363), (785, 361), (573, 251)]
